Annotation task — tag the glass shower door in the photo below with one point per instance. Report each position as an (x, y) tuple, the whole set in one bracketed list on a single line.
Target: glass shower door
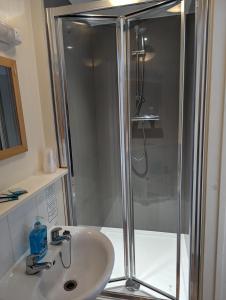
[(154, 58), (92, 103)]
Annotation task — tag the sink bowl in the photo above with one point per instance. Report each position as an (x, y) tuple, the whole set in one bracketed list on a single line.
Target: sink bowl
[(92, 260)]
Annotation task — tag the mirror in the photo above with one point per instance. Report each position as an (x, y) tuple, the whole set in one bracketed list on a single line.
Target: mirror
[(12, 130)]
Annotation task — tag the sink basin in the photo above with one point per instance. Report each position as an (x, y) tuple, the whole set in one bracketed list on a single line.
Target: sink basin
[(91, 266)]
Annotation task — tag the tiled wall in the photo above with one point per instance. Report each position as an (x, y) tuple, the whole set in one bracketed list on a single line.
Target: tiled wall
[(15, 227)]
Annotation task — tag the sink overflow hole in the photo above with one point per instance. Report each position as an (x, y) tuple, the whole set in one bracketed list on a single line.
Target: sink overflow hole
[(70, 285)]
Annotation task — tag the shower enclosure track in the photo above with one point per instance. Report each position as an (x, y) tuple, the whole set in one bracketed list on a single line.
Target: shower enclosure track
[(115, 295)]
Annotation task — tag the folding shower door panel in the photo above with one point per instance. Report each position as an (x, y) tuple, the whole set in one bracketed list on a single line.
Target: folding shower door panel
[(154, 101)]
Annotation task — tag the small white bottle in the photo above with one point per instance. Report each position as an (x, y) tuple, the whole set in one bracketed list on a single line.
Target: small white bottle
[(49, 164)]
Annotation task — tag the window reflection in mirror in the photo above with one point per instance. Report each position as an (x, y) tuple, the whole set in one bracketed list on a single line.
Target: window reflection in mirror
[(12, 130), (9, 126)]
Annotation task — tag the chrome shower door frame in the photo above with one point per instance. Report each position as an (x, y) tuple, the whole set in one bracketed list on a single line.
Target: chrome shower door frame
[(54, 24), (57, 61), (128, 19)]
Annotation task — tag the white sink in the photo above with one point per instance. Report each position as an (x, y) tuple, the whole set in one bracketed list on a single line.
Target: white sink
[(91, 267)]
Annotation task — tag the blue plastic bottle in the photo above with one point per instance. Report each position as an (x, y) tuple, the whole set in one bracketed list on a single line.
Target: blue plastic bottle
[(38, 240)]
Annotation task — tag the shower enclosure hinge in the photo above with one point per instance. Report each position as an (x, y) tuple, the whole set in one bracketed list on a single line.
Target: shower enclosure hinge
[(132, 285), (125, 25)]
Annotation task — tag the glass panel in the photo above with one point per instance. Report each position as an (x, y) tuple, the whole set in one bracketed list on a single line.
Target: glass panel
[(154, 59), (188, 144), (9, 127), (91, 70)]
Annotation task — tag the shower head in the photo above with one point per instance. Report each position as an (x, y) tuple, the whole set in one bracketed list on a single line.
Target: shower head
[(143, 50), (142, 39), (139, 30)]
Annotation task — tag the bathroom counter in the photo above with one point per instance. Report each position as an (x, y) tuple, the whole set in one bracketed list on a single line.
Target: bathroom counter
[(33, 184)]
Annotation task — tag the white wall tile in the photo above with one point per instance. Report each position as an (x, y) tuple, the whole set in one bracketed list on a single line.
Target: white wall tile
[(6, 253), (42, 203), (42, 206), (21, 221), (15, 228), (61, 218)]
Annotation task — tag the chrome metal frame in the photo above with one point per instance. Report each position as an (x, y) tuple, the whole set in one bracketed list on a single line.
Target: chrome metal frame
[(60, 96), (130, 18), (60, 111), (124, 139), (115, 295), (151, 287), (180, 144), (200, 151), (128, 128)]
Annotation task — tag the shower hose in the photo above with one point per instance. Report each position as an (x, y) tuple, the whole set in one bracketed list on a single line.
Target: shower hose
[(139, 102)]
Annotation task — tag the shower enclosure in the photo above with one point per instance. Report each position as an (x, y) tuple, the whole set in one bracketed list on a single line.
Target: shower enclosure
[(128, 83)]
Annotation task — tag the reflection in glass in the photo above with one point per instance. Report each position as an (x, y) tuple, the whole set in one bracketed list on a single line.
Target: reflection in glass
[(91, 69), (9, 127), (154, 102)]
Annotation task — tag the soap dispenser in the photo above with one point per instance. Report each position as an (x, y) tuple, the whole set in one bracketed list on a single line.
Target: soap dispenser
[(38, 240)]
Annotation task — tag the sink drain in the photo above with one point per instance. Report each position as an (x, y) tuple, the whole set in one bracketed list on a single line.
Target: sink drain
[(70, 285)]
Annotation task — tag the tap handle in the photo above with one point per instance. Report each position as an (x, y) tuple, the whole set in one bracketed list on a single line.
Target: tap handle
[(67, 232), (55, 233)]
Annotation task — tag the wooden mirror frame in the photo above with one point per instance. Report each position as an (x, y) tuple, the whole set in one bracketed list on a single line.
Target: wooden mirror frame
[(9, 152)]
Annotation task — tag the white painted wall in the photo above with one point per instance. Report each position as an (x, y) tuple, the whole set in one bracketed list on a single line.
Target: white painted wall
[(18, 14), (43, 71), (35, 87), (220, 281), (215, 192)]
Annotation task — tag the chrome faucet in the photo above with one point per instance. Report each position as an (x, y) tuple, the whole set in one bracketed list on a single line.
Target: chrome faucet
[(33, 267), (56, 238)]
